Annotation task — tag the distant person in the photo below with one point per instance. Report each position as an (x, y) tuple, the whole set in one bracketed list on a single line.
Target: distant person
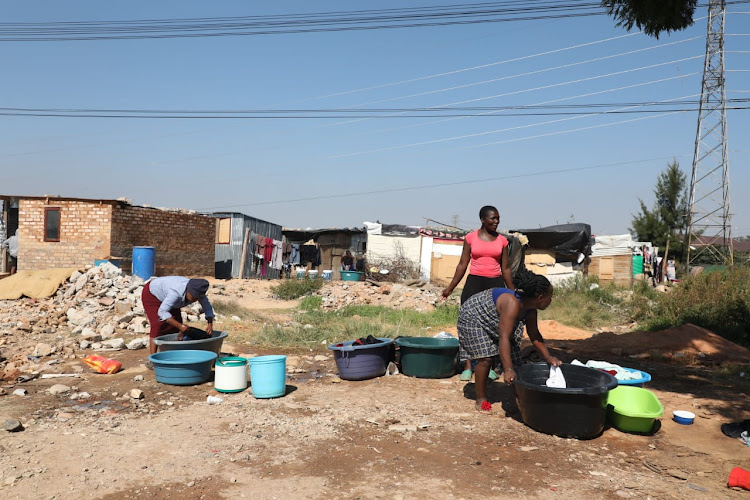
[(347, 261), (671, 270), (487, 250), (164, 297), (491, 322), (12, 245)]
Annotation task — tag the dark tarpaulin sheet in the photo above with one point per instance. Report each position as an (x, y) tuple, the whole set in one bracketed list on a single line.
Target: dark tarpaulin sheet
[(567, 240)]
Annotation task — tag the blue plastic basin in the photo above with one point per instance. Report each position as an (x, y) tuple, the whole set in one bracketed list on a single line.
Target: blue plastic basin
[(637, 382), (182, 367), (361, 362)]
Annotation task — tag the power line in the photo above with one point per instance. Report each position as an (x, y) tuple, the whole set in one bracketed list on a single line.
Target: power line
[(444, 184), (338, 21), (446, 111)]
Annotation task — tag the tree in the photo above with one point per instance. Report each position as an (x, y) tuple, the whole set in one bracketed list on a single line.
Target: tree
[(668, 217), (652, 16)]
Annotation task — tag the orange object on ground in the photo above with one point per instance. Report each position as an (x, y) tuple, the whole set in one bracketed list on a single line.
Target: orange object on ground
[(739, 478), (100, 364)]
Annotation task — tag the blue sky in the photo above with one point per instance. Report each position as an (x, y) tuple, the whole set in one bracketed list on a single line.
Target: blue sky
[(538, 170)]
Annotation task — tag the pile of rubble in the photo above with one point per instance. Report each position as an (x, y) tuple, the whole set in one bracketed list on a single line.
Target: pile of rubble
[(413, 294), (100, 307)]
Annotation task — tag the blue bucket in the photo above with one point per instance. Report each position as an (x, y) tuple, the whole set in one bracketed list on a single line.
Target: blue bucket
[(182, 367), (268, 376), (144, 262)]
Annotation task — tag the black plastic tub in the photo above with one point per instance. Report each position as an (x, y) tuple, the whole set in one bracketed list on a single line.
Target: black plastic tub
[(578, 411)]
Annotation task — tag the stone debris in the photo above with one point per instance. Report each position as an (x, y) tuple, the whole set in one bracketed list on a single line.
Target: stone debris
[(58, 389), (419, 296)]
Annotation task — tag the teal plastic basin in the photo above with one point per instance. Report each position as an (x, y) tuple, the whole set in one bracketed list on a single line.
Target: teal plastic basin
[(182, 367), (427, 357)]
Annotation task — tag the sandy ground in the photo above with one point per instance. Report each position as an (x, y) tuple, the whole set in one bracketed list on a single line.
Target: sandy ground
[(389, 437)]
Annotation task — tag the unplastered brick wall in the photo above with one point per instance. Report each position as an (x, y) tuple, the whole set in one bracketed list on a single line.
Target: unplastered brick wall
[(184, 243), (84, 233)]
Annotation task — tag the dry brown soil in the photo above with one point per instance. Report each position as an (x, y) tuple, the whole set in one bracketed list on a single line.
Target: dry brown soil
[(328, 438)]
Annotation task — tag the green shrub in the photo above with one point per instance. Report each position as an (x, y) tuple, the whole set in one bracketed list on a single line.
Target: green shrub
[(311, 303), (718, 301), (294, 289)]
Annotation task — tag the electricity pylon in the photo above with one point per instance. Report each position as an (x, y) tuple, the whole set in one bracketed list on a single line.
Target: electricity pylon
[(709, 227)]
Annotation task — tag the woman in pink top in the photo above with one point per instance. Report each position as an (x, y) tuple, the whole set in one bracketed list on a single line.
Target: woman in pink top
[(487, 250)]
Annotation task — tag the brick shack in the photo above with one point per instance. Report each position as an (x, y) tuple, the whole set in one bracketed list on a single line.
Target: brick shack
[(73, 232)]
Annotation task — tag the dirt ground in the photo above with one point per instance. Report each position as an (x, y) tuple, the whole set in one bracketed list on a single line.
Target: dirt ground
[(392, 437)]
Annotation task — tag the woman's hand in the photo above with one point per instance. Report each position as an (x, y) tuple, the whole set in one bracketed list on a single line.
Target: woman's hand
[(509, 376), (554, 361), (182, 329), (210, 329), (446, 293)]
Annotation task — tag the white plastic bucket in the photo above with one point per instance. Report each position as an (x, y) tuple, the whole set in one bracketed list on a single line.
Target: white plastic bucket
[(231, 374), (328, 274), (312, 273)]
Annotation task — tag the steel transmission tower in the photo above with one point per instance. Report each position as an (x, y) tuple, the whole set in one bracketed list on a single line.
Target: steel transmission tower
[(709, 227)]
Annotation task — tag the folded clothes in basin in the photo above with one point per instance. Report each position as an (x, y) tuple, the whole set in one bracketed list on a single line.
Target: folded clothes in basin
[(620, 373)]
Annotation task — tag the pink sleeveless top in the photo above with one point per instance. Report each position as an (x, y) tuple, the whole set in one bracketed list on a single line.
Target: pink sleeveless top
[(486, 255)]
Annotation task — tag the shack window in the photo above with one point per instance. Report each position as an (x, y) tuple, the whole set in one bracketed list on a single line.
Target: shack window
[(51, 224), (223, 231)]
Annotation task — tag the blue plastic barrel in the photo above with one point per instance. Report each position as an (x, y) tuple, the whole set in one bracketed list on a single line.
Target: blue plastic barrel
[(268, 376), (144, 262)]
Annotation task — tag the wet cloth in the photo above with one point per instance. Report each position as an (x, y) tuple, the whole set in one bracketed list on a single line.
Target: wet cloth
[(478, 328), (735, 429)]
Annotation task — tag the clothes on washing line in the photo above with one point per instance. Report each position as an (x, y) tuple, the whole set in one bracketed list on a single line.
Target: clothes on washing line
[(276, 261), (294, 255), (309, 254)]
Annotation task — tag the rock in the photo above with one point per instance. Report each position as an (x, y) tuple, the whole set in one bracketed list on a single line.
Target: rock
[(81, 282), (84, 344), (106, 301), (12, 425), (137, 344), (402, 428), (58, 389), (107, 330), (117, 343), (41, 350), (125, 318), (20, 392), (137, 394), (90, 335), (138, 378), (321, 357), (122, 308)]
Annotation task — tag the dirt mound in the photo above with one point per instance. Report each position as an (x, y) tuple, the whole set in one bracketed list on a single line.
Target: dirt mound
[(685, 340)]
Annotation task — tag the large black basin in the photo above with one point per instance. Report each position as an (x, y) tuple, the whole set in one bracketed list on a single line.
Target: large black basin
[(579, 410)]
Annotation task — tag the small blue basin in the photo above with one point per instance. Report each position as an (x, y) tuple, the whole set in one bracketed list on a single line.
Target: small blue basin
[(186, 367)]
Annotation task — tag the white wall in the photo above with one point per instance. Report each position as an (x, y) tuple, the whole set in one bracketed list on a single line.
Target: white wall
[(389, 247)]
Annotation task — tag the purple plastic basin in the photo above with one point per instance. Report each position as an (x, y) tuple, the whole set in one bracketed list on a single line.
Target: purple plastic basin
[(360, 362)]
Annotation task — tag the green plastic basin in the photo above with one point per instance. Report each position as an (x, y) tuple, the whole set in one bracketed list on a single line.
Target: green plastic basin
[(633, 409), (427, 357)]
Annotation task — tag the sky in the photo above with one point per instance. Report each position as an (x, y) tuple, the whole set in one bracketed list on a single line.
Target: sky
[(339, 172)]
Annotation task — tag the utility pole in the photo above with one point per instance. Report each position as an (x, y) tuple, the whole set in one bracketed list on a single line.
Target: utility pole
[(709, 228)]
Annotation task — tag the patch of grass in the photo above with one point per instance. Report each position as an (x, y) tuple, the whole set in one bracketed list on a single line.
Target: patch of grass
[(582, 303), (311, 303), (231, 308), (294, 289), (312, 327)]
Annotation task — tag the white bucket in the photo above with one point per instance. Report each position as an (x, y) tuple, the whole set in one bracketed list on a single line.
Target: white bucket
[(328, 274), (231, 374), (312, 273)]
